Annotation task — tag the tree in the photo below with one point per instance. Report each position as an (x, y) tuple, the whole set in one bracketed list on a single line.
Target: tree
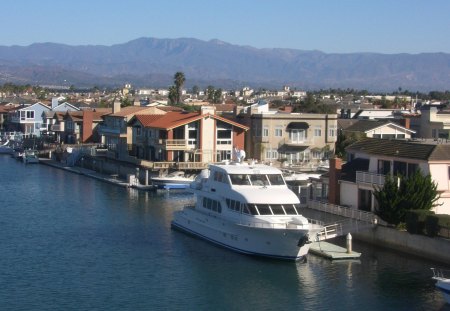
[(173, 95), (217, 96), (195, 90), (400, 194), (178, 80), (210, 93)]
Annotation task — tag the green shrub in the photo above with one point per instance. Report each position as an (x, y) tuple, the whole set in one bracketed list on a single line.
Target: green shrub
[(415, 220), (432, 225)]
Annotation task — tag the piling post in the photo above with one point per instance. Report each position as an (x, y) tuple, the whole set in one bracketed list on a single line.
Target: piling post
[(146, 177), (349, 243)]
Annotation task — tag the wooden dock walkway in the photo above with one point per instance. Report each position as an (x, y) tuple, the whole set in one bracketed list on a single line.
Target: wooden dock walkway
[(331, 251)]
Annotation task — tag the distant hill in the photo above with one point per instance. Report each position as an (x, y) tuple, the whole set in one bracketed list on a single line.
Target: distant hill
[(153, 62)]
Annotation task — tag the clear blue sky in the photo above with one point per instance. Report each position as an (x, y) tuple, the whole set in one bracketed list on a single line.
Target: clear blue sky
[(339, 26)]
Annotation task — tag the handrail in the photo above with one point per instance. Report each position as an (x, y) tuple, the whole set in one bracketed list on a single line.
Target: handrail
[(346, 212)]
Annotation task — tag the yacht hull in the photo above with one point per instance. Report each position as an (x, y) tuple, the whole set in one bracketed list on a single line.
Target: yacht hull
[(280, 243)]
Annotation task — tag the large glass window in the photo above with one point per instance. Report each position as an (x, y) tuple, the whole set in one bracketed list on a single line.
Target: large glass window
[(297, 136), (224, 133)]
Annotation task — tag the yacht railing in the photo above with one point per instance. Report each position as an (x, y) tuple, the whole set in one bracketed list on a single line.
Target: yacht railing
[(440, 273)]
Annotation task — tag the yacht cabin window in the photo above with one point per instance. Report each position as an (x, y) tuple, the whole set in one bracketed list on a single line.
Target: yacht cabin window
[(257, 179), (265, 209)]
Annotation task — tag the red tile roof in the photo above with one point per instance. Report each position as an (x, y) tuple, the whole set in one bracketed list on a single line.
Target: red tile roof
[(174, 119), (147, 119)]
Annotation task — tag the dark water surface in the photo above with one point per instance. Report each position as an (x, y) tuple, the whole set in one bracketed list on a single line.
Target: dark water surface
[(68, 242)]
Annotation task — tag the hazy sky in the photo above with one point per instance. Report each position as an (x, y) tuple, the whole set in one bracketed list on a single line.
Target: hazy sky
[(340, 26)]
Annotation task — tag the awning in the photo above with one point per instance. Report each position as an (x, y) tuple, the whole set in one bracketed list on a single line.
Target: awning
[(297, 126), (292, 149)]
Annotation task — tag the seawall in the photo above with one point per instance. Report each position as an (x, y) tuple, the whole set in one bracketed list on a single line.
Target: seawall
[(431, 248)]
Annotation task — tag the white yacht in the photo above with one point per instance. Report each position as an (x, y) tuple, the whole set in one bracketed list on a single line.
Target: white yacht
[(247, 208)]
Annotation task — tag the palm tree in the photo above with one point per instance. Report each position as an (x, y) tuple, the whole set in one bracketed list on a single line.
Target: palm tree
[(179, 80)]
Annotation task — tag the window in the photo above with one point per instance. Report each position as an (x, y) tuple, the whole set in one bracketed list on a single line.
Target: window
[(271, 154), (297, 136), (212, 205), (384, 167), (224, 133), (317, 131), (264, 209), (275, 179), (278, 131), (138, 131), (256, 132), (332, 131), (30, 114), (265, 132), (239, 179), (290, 209), (316, 154), (258, 180)]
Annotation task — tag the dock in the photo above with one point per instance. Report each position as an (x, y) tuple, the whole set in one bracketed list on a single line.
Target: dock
[(332, 251)]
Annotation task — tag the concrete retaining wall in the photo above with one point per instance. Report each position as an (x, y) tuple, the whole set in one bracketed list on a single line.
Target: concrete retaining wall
[(437, 249)]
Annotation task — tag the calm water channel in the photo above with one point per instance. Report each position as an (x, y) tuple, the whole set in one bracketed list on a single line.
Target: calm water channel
[(68, 242)]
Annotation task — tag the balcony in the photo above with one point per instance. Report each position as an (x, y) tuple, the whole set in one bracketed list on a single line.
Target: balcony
[(177, 144), (370, 178), (57, 128)]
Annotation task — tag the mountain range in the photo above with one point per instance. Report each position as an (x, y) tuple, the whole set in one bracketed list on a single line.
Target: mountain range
[(151, 62)]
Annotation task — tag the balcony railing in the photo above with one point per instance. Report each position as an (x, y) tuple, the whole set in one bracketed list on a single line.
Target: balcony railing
[(177, 144), (370, 178), (56, 128)]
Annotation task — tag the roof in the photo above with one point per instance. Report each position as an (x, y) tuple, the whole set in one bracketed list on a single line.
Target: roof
[(147, 119), (130, 110), (77, 116), (368, 125), (402, 149), (174, 119)]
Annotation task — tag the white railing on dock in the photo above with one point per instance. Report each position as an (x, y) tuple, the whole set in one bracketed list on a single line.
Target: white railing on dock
[(345, 212), (330, 231)]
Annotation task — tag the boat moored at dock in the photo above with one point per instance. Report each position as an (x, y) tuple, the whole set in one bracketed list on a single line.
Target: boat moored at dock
[(442, 282), (174, 180), (247, 208), (30, 157)]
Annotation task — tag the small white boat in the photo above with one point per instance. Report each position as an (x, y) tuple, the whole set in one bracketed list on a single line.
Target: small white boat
[(5, 148), (174, 180), (247, 208), (30, 157), (442, 282)]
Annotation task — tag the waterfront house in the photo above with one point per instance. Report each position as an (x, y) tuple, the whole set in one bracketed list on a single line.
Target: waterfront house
[(370, 160), (53, 120), (387, 129), (115, 132), (81, 126), (300, 139), (434, 122), (186, 136), (28, 119)]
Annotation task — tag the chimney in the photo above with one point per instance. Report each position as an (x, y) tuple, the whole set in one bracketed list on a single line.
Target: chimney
[(88, 120), (208, 110), (116, 107), (334, 190)]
